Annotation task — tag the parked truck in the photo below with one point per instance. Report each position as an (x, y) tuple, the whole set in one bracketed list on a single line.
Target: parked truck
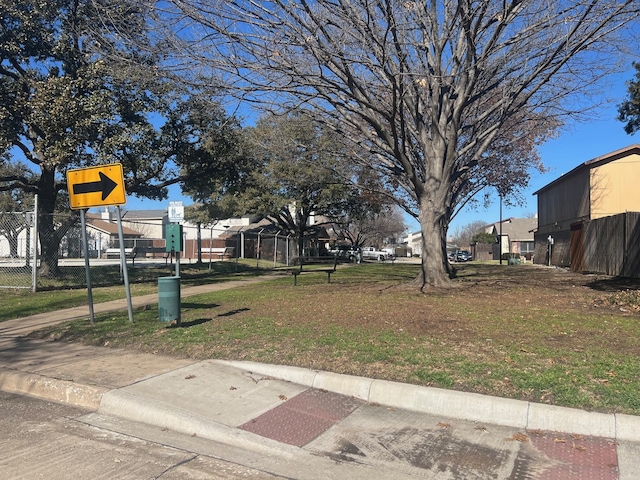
[(371, 253)]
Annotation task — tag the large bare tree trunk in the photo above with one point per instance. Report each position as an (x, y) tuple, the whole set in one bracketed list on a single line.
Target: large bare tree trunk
[(435, 266)]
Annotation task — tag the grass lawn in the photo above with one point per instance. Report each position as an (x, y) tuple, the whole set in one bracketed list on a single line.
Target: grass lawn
[(517, 331), (17, 303)]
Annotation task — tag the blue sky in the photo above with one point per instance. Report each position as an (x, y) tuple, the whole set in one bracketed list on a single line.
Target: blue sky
[(577, 143)]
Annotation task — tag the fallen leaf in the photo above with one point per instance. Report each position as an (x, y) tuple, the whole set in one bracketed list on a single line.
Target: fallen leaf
[(232, 388), (189, 377), (559, 440), (282, 397), (518, 437), (444, 425)]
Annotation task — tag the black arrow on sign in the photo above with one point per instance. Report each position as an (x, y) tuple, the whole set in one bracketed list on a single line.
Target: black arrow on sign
[(104, 185)]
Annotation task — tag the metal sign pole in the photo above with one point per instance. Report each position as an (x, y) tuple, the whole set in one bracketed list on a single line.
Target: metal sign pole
[(123, 262), (87, 270)]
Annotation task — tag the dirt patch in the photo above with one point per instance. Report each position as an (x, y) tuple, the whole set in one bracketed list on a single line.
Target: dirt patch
[(501, 303)]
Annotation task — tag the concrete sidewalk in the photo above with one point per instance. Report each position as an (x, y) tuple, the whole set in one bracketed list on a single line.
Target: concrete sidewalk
[(25, 325), (298, 423)]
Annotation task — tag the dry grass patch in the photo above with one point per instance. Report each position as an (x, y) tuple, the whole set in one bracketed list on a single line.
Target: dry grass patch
[(525, 332)]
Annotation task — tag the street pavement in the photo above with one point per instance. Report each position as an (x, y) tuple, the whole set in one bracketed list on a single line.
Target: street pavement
[(296, 423)]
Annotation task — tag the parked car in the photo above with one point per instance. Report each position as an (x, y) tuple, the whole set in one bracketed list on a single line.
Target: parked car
[(463, 256)]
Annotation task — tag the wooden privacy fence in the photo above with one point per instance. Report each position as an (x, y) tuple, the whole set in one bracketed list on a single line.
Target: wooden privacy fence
[(609, 245)]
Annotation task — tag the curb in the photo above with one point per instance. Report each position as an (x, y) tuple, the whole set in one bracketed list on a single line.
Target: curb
[(435, 401), (61, 391), (166, 416), (467, 406)]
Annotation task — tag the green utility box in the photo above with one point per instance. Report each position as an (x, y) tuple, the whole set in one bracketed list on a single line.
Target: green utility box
[(169, 299), (173, 237)]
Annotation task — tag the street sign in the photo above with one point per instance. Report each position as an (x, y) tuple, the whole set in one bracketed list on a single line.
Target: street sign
[(97, 186), (176, 212)]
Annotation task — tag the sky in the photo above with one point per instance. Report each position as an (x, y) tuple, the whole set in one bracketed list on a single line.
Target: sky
[(577, 143)]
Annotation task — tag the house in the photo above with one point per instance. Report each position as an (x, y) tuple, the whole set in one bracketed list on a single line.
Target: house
[(413, 241), (151, 224), (148, 222), (517, 236), (104, 235), (412, 245), (588, 217)]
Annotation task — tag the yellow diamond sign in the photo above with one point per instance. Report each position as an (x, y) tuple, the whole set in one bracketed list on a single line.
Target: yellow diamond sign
[(97, 186)]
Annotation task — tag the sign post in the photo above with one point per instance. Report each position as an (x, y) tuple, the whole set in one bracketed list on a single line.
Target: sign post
[(87, 270), (123, 261), (174, 232), (99, 186)]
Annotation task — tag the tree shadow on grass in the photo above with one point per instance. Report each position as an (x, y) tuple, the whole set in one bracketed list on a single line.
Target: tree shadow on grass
[(614, 284)]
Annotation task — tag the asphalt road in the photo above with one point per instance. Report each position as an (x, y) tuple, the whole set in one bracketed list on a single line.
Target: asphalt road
[(47, 440)]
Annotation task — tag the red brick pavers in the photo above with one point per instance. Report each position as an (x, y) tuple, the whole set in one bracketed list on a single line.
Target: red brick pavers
[(304, 417), (577, 456)]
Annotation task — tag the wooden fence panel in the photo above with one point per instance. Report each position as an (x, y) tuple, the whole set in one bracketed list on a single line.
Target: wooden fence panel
[(612, 245), (576, 241), (631, 265)]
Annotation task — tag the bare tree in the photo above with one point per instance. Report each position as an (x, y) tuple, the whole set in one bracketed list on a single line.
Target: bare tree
[(366, 227), (463, 235), (450, 95)]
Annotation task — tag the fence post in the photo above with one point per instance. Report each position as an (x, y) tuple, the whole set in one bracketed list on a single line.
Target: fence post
[(275, 250), (34, 268)]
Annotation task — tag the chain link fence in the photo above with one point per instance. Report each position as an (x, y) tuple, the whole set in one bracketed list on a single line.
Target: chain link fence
[(268, 249), (46, 251), (16, 249)]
